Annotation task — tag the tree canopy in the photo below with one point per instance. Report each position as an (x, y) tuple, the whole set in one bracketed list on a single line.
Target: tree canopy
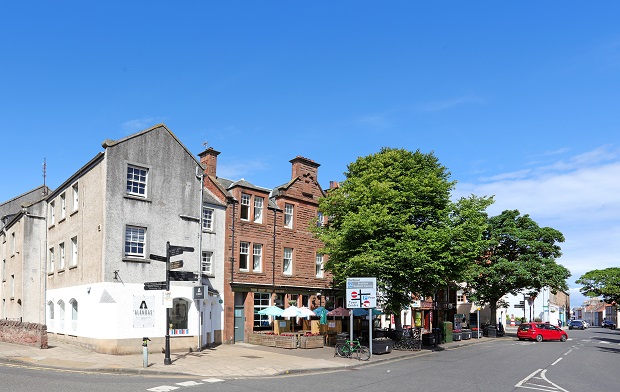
[(392, 218), (520, 256), (603, 283)]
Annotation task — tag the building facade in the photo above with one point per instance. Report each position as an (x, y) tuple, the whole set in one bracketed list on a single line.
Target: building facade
[(272, 257)]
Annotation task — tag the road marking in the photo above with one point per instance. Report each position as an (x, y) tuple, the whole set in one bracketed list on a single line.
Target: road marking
[(188, 383), (557, 360), (163, 388), (568, 352), (604, 342), (213, 380), (532, 382)]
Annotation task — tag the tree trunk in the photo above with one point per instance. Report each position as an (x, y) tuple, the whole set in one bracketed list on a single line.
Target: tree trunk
[(493, 307)]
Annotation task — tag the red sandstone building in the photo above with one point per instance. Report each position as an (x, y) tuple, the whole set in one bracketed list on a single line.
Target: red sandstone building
[(271, 256)]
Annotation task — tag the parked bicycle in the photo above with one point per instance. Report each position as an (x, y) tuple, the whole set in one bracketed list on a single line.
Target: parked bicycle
[(410, 339), (350, 348)]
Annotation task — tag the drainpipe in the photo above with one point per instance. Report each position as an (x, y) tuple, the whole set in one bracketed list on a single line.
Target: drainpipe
[(200, 222)]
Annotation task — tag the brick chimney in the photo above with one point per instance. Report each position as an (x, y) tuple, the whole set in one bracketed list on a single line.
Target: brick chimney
[(209, 159), (304, 167)]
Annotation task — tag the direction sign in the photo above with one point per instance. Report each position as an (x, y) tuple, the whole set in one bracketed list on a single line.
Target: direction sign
[(176, 264), (174, 250), (157, 257), (361, 293), (182, 275), (154, 285)]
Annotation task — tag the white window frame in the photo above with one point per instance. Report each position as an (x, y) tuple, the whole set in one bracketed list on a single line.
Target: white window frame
[(289, 211), (287, 262), (12, 286), (76, 196), (135, 239), (207, 218), (258, 209), (52, 213), (63, 206), (137, 180), (257, 258), (319, 219), (244, 213), (74, 251), (244, 250), (319, 266), (206, 264), (61, 258)]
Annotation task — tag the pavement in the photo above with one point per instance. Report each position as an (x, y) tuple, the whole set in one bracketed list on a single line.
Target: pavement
[(229, 361)]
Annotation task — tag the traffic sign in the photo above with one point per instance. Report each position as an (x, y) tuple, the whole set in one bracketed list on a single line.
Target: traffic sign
[(361, 293), (182, 276), (157, 257), (154, 285), (176, 264)]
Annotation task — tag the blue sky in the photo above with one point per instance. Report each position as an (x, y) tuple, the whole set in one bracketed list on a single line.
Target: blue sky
[(517, 99)]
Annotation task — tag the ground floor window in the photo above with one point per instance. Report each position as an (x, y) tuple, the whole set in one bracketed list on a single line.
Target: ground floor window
[(178, 316), (261, 301)]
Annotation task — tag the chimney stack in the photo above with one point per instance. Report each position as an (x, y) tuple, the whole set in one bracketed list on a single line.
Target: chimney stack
[(209, 159)]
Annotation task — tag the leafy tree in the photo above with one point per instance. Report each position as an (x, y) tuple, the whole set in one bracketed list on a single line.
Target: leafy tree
[(392, 218), (520, 256), (601, 283)]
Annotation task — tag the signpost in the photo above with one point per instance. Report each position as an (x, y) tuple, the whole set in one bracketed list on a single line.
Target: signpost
[(178, 276), (154, 285), (176, 264), (362, 293)]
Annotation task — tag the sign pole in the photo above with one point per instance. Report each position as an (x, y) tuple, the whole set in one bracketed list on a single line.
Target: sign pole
[(167, 360), (370, 322)]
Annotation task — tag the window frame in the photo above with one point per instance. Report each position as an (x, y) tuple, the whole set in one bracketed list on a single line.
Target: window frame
[(319, 264), (143, 233), (259, 203), (61, 256), (244, 210), (76, 196), (244, 256), (203, 262), (50, 260), (52, 212), (287, 271), (207, 222), (74, 252), (257, 256), (137, 183), (289, 215), (63, 206)]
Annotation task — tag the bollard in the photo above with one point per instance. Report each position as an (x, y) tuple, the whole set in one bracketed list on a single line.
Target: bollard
[(145, 352)]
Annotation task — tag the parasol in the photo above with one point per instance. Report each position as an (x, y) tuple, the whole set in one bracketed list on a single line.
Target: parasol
[(339, 312), (271, 311)]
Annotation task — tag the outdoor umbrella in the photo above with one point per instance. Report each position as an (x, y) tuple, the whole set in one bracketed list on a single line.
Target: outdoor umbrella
[(294, 311), (271, 311), (340, 311), (322, 313), (364, 312)]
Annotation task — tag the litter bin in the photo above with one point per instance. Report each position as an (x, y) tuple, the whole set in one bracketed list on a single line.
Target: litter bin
[(428, 339), (491, 331), (342, 338), (438, 336)]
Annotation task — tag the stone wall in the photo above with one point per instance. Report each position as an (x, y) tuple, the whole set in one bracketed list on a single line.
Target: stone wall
[(27, 334)]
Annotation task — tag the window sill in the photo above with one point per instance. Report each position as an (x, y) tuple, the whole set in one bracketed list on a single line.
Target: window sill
[(73, 267), (137, 198), (210, 275), (50, 274), (60, 271), (51, 226), (208, 231), (74, 212), (136, 260), (62, 220)]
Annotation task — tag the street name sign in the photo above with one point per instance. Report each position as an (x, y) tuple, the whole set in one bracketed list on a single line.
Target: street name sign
[(177, 250), (157, 257), (176, 264), (182, 275), (154, 285)]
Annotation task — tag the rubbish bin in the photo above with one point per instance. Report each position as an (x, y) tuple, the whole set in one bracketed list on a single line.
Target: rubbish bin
[(438, 336), (491, 331), (428, 339), (342, 338)]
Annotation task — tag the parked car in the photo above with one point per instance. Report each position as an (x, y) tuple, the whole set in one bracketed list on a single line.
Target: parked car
[(540, 332), (608, 324), (577, 324)]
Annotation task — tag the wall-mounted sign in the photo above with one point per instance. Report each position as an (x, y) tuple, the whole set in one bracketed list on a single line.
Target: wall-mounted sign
[(143, 311)]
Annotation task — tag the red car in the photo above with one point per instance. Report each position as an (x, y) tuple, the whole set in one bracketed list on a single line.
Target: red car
[(540, 332)]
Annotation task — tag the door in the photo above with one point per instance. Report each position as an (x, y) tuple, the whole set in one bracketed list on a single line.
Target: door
[(239, 323)]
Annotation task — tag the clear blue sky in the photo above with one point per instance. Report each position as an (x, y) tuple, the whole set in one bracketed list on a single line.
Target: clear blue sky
[(520, 100)]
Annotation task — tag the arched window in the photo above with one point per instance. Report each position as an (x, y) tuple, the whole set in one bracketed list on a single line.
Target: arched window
[(61, 314), (178, 316), (74, 314)]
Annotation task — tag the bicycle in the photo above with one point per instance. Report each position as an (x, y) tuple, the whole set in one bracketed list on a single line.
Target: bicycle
[(350, 347)]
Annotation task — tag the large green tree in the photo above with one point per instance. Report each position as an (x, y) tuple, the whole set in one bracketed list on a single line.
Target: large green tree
[(601, 283), (392, 218), (520, 256)]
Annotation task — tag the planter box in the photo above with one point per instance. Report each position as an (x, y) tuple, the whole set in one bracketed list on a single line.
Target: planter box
[(428, 339), (466, 335), (255, 338), (269, 340), (286, 341), (457, 336), (382, 346), (311, 341)]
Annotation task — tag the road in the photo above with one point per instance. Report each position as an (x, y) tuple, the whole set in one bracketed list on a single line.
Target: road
[(586, 362)]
